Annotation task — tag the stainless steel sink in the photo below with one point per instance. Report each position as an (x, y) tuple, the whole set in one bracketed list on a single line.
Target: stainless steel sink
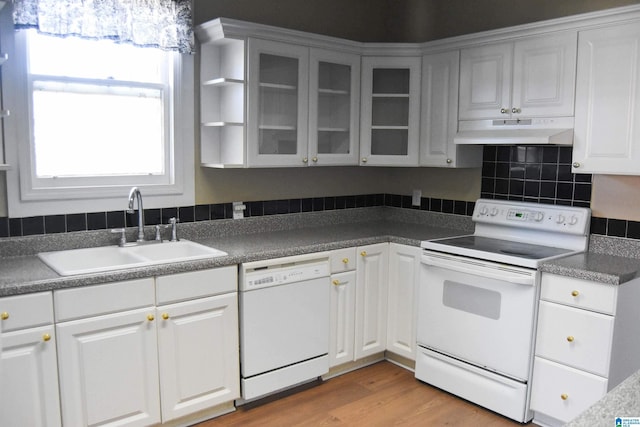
[(109, 258)]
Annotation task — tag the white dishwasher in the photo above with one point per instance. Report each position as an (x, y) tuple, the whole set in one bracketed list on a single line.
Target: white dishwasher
[(284, 323)]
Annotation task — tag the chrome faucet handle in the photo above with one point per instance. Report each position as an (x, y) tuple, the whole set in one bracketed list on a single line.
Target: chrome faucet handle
[(159, 228), (123, 236), (173, 223)]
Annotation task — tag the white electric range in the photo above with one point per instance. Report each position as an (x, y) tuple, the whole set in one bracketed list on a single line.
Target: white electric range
[(478, 300)]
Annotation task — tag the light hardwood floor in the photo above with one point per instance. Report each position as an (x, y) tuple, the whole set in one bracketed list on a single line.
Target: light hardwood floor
[(378, 395)]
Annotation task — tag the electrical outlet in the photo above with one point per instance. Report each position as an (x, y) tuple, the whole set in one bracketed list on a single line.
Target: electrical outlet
[(415, 198), (238, 210)]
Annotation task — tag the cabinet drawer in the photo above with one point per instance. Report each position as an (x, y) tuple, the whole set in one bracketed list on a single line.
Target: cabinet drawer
[(26, 311), (343, 260), (196, 284), (575, 337), (563, 392), (103, 299), (579, 293)]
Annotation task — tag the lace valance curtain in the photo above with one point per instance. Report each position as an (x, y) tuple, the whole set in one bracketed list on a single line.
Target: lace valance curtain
[(165, 24)]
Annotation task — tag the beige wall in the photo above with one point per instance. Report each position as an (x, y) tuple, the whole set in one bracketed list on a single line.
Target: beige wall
[(229, 185), (616, 196), (435, 19), (396, 20), (363, 20)]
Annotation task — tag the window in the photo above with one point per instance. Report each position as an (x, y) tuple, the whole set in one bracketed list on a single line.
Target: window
[(97, 118)]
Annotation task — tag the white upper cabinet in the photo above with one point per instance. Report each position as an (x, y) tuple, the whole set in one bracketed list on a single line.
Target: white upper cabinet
[(607, 122), (6, 40), (439, 114), (531, 77), (334, 109), (268, 103), (222, 103), (390, 111), (278, 78)]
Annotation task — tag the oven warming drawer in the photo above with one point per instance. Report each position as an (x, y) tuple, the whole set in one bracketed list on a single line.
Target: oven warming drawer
[(492, 391)]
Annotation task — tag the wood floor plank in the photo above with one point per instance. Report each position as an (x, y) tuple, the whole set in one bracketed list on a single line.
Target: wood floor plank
[(381, 395)]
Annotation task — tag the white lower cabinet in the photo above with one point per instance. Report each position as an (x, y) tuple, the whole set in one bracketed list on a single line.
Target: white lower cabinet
[(404, 272), (198, 354), (343, 307), (29, 375), (109, 369), (167, 350), (584, 336), (358, 302), (372, 282)]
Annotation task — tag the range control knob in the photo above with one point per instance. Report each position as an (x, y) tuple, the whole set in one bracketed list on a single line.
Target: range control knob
[(538, 216), (494, 212), (484, 210), (561, 219), (573, 220)]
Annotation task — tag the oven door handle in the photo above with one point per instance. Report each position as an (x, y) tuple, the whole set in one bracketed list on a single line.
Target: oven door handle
[(500, 272)]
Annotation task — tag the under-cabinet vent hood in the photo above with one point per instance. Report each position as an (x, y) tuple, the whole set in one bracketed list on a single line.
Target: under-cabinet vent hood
[(557, 131)]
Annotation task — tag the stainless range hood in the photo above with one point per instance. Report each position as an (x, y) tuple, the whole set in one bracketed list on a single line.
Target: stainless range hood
[(556, 131)]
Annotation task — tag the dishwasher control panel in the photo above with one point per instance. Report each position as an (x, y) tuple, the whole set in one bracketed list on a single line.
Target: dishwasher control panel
[(265, 276)]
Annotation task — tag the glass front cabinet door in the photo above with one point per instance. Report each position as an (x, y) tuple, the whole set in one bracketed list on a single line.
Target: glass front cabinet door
[(390, 111), (333, 108), (277, 104)]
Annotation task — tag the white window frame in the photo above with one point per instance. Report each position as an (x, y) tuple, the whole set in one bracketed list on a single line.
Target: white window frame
[(25, 197)]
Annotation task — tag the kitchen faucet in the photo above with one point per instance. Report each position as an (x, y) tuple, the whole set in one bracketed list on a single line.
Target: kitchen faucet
[(135, 194)]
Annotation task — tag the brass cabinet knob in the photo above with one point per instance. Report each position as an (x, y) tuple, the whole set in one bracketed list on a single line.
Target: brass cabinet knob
[(314, 159), (576, 165), (570, 338), (46, 337), (4, 315), (575, 293), (151, 318), (345, 260), (165, 316), (449, 161), (504, 111), (335, 282), (364, 160), (305, 160), (564, 396), (516, 110), (363, 253)]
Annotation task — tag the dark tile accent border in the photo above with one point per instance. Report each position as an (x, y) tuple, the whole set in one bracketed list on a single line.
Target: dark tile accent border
[(16, 227), (615, 228)]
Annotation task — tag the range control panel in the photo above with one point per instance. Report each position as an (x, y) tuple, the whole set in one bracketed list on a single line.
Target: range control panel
[(566, 219)]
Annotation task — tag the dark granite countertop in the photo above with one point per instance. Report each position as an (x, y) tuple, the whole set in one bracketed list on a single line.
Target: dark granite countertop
[(604, 268), (26, 273), (21, 271)]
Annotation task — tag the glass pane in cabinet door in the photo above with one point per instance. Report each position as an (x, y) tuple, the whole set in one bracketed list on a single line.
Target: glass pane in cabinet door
[(274, 141), (333, 142), (278, 70), (278, 105), (391, 80), (389, 142), (390, 111), (334, 108)]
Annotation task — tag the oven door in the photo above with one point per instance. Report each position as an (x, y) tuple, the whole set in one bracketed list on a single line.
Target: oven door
[(479, 312)]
